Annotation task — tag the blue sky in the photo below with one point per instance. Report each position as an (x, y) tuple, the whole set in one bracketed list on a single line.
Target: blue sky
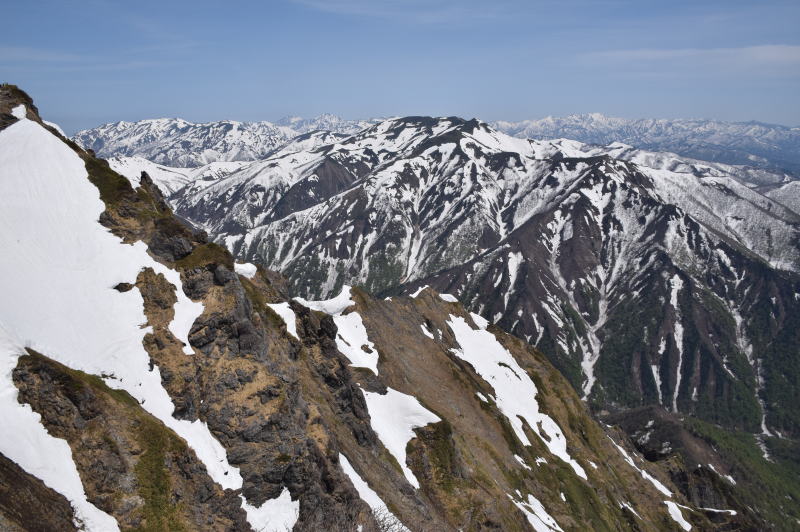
[(96, 61)]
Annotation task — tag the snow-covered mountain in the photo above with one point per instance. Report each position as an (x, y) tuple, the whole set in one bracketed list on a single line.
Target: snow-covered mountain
[(326, 122), (150, 382), (743, 143), (176, 142), (605, 257)]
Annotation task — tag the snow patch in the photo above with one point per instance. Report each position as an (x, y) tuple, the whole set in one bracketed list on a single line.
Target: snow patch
[(19, 111), (275, 515), (676, 283), (726, 477), (522, 462), (247, 269), (628, 506), (418, 291), (731, 512), (367, 494), (56, 127), (657, 379), (537, 516), (393, 417), (515, 392), (287, 315), (677, 516)]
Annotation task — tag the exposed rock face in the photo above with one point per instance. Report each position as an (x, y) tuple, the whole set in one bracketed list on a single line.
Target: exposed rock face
[(132, 466)]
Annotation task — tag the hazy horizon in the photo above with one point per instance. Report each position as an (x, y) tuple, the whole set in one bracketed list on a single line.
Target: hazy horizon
[(510, 60), (279, 120)]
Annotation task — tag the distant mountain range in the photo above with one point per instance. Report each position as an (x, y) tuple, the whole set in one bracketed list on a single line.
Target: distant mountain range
[(748, 143), (176, 142), (179, 143)]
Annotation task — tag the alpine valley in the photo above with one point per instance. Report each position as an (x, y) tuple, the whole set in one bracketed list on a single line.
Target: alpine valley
[(417, 324)]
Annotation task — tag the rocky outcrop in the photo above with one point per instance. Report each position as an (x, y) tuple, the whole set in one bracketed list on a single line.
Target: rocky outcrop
[(131, 465)]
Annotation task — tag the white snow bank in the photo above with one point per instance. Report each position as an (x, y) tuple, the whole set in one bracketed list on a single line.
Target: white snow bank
[(287, 315), (515, 392), (275, 515), (26, 442), (19, 111), (677, 516), (248, 270), (393, 417), (352, 335), (449, 298), (59, 267), (367, 494), (537, 516)]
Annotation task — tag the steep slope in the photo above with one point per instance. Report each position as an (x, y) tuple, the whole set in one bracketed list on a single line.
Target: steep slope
[(750, 143), (786, 193), (178, 143), (558, 242), (155, 384)]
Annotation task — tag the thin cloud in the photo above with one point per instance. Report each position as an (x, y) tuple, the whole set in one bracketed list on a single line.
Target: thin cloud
[(423, 11), (20, 54), (769, 59)]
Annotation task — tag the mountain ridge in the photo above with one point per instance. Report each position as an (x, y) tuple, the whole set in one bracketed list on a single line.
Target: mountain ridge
[(769, 146)]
